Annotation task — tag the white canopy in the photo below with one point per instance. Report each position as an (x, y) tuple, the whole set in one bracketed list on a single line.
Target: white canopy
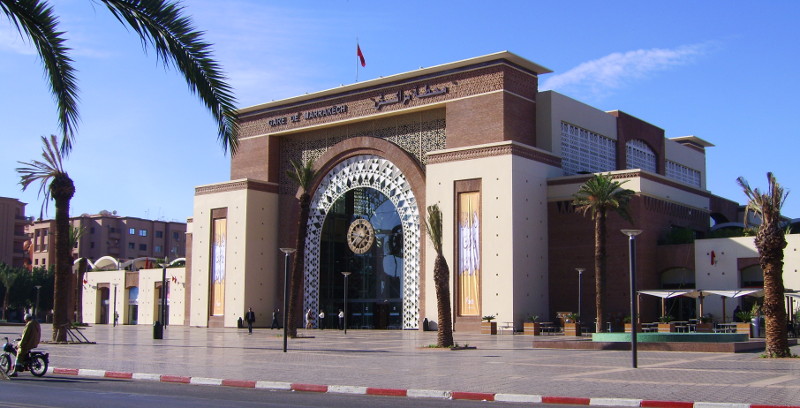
[(701, 293), (666, 294), (735, 293)]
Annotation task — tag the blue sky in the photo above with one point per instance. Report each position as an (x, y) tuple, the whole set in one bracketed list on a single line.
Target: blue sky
[(723, 71)]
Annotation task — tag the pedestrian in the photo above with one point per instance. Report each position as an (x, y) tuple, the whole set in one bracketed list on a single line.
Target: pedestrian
[(321, 324), (341, 319), (309, 319), (250, 318), (275, 324), (116, 318)]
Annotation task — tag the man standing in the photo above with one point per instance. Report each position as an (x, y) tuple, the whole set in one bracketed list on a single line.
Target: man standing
[(275, 324), (341, 319), (250, 317), (29, 341)]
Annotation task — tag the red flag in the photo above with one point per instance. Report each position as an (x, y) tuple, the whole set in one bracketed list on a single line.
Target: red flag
[(361, 56)]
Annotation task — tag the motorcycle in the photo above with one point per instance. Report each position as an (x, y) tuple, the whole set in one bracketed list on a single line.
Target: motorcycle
[(36, 362)]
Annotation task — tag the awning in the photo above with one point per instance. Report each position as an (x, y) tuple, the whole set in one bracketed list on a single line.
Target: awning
[(666, 294), (735, 293)]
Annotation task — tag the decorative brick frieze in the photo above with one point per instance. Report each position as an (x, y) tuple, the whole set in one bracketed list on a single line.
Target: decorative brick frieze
[(236, 185), (497, 150)]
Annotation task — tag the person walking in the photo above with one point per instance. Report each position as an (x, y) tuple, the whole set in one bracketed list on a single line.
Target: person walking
[(309, 319), (341, 319), (321, 324), (250, 318), (275, 324)]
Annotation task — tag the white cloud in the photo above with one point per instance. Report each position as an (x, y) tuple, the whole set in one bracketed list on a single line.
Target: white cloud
[(616, 70)]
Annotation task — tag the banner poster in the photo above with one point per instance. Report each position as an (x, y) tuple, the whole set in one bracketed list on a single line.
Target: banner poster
[(218, 266), (469, 254)]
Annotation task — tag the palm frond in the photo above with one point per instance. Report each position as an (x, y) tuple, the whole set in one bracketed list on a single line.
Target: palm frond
[(433, 224), (163, 25), (34, 20), (766, 206), (302, 173), (43, 172), (602, 193)]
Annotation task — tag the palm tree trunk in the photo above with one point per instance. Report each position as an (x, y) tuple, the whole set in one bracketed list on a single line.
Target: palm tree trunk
[(771, 242), (296, 279), (441, 277), (599, 267)]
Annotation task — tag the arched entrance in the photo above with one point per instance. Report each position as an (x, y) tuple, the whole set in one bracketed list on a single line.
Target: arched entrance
[(371, 188)]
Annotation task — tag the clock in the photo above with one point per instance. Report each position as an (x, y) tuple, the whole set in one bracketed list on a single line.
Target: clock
[(360, 236)]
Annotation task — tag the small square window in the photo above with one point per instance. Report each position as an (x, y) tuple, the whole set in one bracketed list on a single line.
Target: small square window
[(143, 247), (143, 233), (159, 234), (132, 231), (91, 230), (91, 245), (157, 249), (131, 245), (176, 235)]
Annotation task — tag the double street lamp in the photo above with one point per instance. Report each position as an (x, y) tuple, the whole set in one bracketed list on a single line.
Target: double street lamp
[(286, 253), (632, 233)]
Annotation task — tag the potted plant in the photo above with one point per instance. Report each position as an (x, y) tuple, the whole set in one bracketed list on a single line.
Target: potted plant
[(532, 325), (665, 324), (745, 317), (571, 325), (704, 324), (627, 321), (488, 326)]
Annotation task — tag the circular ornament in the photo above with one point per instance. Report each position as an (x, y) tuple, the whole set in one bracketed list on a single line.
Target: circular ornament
[(360, 236)]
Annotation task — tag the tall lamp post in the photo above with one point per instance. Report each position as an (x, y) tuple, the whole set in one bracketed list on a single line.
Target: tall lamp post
[(346, 274), (580, 295), (36, 308), (163, 294), (632, 233), (286, 253), (114, 316)]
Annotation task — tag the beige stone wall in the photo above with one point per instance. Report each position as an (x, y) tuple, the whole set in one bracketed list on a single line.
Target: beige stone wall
[(552, 108), (687, 156), (513, 188), (252, 253)]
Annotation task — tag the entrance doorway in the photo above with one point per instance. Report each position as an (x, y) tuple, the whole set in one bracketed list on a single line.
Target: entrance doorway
[(362, 234), (102, 304)]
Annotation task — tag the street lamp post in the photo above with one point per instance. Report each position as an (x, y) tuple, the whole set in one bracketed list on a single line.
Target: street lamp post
[(163, 294), (36, 308), (286, 253), (580, 294), (346, 274), (632, 233), (114, 316)]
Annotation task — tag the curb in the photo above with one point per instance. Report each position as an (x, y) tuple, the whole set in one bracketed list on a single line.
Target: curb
[(399, 392)]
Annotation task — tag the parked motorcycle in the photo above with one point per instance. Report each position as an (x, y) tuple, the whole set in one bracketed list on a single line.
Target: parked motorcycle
[(36, 362)]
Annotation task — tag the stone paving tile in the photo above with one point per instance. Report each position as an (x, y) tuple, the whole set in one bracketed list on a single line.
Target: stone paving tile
[(399, 359)]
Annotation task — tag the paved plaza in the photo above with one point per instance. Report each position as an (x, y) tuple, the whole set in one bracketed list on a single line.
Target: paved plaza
[(501, 364)]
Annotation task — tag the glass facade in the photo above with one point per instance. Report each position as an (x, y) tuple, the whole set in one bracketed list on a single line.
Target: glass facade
[(374, 298)]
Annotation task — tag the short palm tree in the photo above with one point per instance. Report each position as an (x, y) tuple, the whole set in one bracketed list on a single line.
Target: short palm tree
[(770, 242), (159, 23), (302, 174), (8, 275), (55, 183), (597, 196), (441, 278)]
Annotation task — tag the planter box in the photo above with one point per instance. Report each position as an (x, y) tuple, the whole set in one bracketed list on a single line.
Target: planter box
[(488, 327), (704, 328), (572, 329), (666, 327), (532, 328), (743, 327), (628, 328)]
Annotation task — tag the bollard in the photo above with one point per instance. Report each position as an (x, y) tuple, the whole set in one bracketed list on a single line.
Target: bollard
[(158, 330)]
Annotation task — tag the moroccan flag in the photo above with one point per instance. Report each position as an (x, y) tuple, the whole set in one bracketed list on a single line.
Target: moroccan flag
[(361, 56)]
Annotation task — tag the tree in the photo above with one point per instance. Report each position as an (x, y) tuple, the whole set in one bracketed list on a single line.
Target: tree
[(770, 241), (8, 275), (441, 278), (597, 196), (55, 183), (303, 175), (159, 23)]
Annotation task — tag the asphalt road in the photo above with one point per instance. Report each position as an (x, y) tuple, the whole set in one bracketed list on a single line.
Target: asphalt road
[(75, 392)]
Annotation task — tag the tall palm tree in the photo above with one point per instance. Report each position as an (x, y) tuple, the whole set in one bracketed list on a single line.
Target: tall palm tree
[(55, 183), (770, 242), (597, 196), (302, 174), (8, 275), (159, 23), (441, 278)]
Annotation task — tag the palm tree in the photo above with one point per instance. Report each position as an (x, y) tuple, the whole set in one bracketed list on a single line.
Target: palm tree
[(54, 182), (441, 278), (597, 196), (8, 275), (770, 242), (75, 234), (159, 23), (303, 175)]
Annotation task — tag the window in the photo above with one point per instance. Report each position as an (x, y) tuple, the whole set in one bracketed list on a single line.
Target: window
[(131, 245), (91, 230), (143, 233), (132, 231), (583, 151), (640, 156), (36, 261), (91, 245), (112, 229), (686, 175), (157, 249), (143, 247), (176, 235), (75, 245), (159, 234)]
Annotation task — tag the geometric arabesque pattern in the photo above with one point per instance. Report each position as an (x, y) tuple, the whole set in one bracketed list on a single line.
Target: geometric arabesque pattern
[(586, 151), (380, 174)]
